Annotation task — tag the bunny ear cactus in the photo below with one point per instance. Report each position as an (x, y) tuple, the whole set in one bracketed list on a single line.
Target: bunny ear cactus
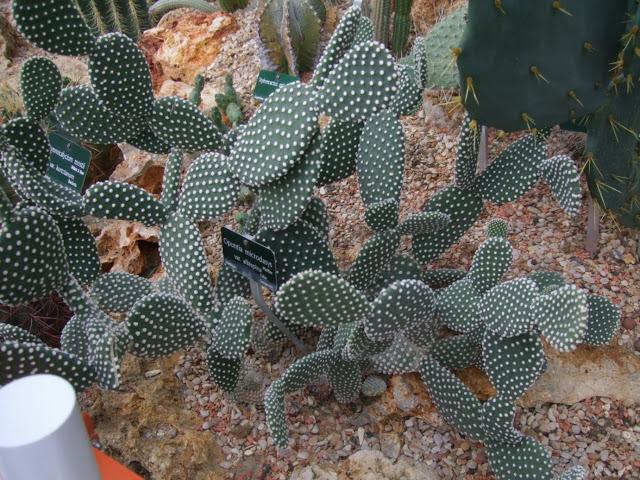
[(119, 291), (339, 145), (41, 85)]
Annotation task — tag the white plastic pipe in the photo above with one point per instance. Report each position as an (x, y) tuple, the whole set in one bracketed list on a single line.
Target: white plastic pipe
[(42, 435)]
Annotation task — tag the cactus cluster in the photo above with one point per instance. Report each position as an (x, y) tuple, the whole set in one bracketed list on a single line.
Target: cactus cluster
[(382, 314), (383, 14)]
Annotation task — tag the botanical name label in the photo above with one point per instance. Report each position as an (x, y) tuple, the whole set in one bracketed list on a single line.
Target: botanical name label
[(68, 163), (249, 258), (268, 82)]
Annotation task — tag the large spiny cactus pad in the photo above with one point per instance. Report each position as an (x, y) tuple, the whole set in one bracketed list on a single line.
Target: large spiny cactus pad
[(316, 298), (467, 156), (490, 262), (498, 415), (123, 201), (454, 400), (22, 359), (277, 136), (507, 308), (30, 141), (382, 215), (456, 352), (513, 364), (81, 113), (119, 291), (401, 357), (562, 177), (179, 123), (32, 260), (361, 84), (457, 306), (209, 188), (160, 324), (603, 321), (527, 460), (40, 84), (282, 201), (80, 249), (401, 304), (120, 76), (463, 208), (345, 378), (380, 162), (514, 171), (184, 259), (225, 372), (54, 25), (442, 277), (341, 40), (298, 248), (231, 284), (408, 97), (339, 144), (423, 223), (562, 316), (233, 336), (373, 258), (12, 333)]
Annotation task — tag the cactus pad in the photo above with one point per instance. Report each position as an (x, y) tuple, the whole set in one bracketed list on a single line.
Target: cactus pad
[(467, 155), (456, 352), (408, 98), (373, 386), (507, 308), (224, 372), (80, 249), (382, 215), (513, 364), (547, 280), (233, 336), (527, 460), (38, 266), (361, 84), (73, 338), (209, 188), (119, 291), (496, 227), (603, 321), (372, 259), (123, 201), (184, 259), (402, 356), (277, 136), (22, 359), (30, 141), (457, 306), (442, 277), (423, 223), (180, 124), (498, 414), (12, 333), (40, 84), (231, 284), (339, 144), (562, 316), (120, 76), (445, 36), (364, 32), (149, 142), (562, 177), (490, 262), (346, 378), (315, 214), (316, 298), (54, 25), (171, 180)]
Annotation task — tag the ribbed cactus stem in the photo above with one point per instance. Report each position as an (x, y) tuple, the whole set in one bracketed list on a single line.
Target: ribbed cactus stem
[(126, 18), (105, 16), (163, 6), (141, 8), (381, 16), (232, 5), (401, 23), (89, 15)]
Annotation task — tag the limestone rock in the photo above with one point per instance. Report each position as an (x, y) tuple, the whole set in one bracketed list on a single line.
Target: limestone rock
[(140, 168)]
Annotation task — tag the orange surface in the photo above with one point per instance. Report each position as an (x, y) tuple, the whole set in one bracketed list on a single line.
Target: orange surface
[(112, 470)]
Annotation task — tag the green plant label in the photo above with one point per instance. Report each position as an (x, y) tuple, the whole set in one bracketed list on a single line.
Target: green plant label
[(249, 258), (69, 162), (268, 82)]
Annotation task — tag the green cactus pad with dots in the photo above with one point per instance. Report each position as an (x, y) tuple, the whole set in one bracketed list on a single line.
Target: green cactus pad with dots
[(507, 308), (454, 400), (513, 364), (80, 249), (54, 25), (562, 316), (315, 298), (372, 259), (382, 215), (81, 113), (562, 177), (463, 207), (527, 460), (233, 336), (408, 98), (184, 259), (73, 338), (276, 416), (283, 201), (33, 262), (490, 262), (160, 324), (171, 181), (120, 76), (400, 267), (402, 356), (373, 386), (180, 124), (603, 321), (108, 345), (442, 277), (364, 31), (41, 85), (231, 284), (456, 352), (30, 142), (513, 172), (359, 346), (339, 144), (439, 43), (12, 333), (149, 142), (547, 280), (224, 372), (22, 359), (498, 414), (457, 306), (209, 188), (345, 378), (315, 214), (362, 83), (341, 41), (497, 227), (423, 223), (467, 155), (123, 201), (119, 291)]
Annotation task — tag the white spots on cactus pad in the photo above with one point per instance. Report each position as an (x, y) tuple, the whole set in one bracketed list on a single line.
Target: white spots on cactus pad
[(562, 316), (603, 321), (340, 141), (40, 84), (562, 177), (527, 460), (373, 386), (490, 262), (507, 309), (233, 335), (119, 291)]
